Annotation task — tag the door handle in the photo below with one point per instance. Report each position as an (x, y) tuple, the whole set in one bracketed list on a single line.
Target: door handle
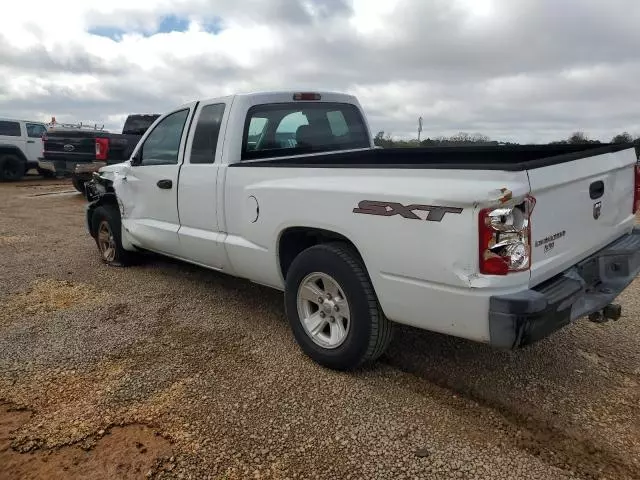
[(31, 141), (596, 190), (165, 184)]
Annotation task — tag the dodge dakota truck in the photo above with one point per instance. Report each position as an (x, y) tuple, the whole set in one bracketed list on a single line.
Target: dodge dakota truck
[(497, 244)]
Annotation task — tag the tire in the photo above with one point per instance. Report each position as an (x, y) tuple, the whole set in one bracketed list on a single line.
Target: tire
[(106, 221), (367, 332), (79, 185), (45, 173), (12, 168)]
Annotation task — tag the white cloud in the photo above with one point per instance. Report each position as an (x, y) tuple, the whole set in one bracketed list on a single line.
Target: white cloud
[(527, 70)]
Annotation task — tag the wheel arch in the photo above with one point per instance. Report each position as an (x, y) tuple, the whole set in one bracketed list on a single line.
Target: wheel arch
[(12, 150), (108, 199), (295, 239)]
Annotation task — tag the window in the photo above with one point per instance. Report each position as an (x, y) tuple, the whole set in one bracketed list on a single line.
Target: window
[(36, 130), (10, 129), (337, 123), (286, 131), (205, 138), (163, 144), (256, 129), (302, 127), (138, 124)]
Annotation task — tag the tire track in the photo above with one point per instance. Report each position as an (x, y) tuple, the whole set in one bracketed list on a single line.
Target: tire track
[(568, 450)]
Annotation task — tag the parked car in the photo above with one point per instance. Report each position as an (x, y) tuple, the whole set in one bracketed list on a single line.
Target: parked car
[(497, 244), (76, 152), (20, 147)]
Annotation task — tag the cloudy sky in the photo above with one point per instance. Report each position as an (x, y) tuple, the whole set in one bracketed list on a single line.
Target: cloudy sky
[(522, 70)]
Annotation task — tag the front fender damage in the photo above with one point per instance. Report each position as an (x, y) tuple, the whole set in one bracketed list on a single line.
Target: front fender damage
[(100, 191)]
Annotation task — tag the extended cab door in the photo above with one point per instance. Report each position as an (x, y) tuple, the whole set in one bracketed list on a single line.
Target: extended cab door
[(198, 196), (148, 187)]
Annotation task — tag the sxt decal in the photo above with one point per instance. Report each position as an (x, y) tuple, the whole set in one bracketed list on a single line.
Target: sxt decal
[(389, 209)]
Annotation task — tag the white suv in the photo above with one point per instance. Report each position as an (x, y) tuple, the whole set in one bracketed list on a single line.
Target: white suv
[(20, 147)]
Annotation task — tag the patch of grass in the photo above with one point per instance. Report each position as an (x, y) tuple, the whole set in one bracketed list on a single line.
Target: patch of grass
[(46, 296), (13, 239)]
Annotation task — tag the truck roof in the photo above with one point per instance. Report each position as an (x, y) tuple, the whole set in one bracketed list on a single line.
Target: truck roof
[(281, 96)]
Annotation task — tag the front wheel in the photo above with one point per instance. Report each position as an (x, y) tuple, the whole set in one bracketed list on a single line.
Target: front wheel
[(332, 308), (106, 228), (79, 185)]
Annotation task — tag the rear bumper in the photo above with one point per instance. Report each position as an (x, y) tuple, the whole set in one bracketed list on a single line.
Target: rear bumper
[(82, 170), (54, 166), (47, 165), (87, 169), (525, 317)]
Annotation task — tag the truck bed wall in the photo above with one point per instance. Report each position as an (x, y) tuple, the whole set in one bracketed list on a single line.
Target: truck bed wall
[(507, 157)]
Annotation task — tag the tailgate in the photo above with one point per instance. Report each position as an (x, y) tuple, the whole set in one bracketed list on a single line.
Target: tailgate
[(581, 206), (73, 146)]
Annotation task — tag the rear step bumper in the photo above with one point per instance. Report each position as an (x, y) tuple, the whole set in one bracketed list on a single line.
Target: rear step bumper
[(522, 318)]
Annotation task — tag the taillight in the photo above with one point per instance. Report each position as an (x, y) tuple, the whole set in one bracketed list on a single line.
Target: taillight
[(102, 148), (505, 238), (306, 96), (636, 188)]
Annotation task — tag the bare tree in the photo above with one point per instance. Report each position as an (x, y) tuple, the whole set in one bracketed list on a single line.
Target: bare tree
[(622, 138)]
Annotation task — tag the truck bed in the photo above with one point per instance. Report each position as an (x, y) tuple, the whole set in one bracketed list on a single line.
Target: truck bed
[(503, 157)]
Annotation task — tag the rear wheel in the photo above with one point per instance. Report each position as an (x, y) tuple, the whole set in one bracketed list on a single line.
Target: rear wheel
[(106, 228), (11, 168), (332, 308)]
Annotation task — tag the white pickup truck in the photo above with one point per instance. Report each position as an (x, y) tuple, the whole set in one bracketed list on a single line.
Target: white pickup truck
[(502, 245)]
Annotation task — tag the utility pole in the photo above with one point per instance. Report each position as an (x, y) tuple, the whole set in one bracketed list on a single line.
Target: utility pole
[(419, 128)]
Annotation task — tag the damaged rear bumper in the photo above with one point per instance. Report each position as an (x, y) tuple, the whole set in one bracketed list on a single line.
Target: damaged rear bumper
[(525, 317)]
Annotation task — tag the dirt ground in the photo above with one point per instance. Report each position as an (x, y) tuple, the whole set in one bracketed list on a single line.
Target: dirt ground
[(123, 452), (166, 370)]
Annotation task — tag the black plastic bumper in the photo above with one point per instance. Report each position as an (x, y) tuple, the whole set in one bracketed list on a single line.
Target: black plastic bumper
[(525, 317)]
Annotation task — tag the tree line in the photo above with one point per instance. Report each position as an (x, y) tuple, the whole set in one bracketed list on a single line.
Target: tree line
[(384, 140)]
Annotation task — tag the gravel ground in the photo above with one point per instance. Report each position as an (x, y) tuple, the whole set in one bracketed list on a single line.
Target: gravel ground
[(207, 362)]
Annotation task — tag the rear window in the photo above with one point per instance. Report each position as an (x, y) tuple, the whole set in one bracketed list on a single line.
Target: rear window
[(138, 124), (9, 129), (278, 130)]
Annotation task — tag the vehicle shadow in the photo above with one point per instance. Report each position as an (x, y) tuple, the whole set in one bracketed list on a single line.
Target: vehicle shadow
[(554, 369), (563, 399)]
